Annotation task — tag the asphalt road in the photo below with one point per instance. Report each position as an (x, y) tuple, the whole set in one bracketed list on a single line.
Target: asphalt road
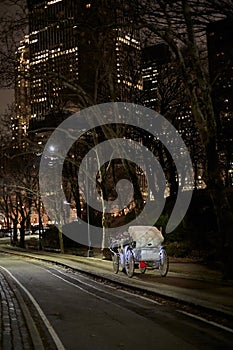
[(74, 312)]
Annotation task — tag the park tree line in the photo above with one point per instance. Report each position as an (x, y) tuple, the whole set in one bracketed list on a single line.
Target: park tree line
[(182, 26)]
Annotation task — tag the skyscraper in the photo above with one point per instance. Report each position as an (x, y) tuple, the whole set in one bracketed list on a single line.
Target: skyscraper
[(22, 94), (154, 59), (80, 54), (53, 51)]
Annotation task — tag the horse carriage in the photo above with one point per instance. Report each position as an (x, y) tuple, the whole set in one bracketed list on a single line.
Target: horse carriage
[(139, 248)]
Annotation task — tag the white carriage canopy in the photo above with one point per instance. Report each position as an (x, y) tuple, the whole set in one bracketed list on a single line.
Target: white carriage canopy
[(146, 236)]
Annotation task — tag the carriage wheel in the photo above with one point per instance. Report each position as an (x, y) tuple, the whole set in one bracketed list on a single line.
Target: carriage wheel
[(129, 263), (115, 261), (163, 263)]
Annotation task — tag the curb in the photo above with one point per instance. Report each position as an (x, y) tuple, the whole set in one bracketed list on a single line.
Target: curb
[(31, 326), (159, 292)]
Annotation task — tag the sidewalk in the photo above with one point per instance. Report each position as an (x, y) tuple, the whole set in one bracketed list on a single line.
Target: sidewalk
[(14, 332), (192, 283)]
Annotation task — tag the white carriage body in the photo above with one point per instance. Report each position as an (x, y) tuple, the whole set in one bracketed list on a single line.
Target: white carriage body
[(140, 246), (148, 240), (146, 254)]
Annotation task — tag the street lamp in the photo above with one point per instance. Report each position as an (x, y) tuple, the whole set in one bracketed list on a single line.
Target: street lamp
[(90, 250)]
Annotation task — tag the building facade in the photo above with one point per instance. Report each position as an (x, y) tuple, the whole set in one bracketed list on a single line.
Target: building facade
[(53, 51), (81, 53), (154, 59), (20, 122)]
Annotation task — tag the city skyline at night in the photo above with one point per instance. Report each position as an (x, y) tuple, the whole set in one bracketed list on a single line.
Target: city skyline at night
[(66, 54), (66, 59)]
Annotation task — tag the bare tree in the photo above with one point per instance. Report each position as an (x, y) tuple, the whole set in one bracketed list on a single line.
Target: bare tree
[(19, 176), (181, 25), (13, 27)]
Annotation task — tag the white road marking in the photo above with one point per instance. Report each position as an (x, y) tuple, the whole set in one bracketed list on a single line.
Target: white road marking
[(138, 296), (90, 293), (52, 332), (101, 290), (74, 285), (206, 321)]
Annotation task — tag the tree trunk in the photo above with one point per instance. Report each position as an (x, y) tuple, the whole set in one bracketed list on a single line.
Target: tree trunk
[(222, 209), (22, 237), (15, 236), (106, 255), (61, 242)]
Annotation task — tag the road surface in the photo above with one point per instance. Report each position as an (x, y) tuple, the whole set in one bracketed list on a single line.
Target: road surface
[(74, 312)]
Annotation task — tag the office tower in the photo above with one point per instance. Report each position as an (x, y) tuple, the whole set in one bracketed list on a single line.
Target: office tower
[(220, 53), (20, 122), (81, 53), (154, 59), (53, 54)]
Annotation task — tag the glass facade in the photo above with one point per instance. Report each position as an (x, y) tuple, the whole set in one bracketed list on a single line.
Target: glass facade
[(154, 59), (79, 47), (20, 122), (53, 55)]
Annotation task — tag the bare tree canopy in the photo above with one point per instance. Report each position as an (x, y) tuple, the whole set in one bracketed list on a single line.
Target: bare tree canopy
[(179, 24), (13, 26)]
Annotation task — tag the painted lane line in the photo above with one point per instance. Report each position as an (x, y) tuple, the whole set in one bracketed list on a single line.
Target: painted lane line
[(110, 287), (74, 285), (52, 332), (143, 298), (206, 321), (100, 290), (33, 330), (90, 293), (114, 288)]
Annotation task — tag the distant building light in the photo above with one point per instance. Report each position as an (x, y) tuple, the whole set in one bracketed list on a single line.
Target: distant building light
[(53, 2)]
